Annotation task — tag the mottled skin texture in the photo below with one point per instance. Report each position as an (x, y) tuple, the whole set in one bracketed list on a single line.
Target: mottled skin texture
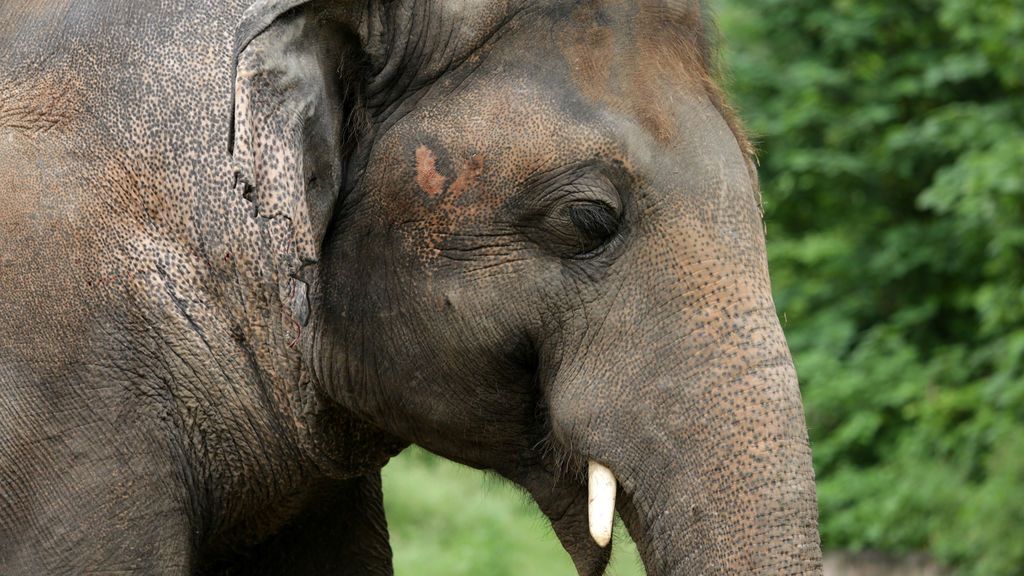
[(520, 234)]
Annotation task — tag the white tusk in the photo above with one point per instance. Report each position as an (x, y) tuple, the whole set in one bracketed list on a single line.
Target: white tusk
[(601, 504)]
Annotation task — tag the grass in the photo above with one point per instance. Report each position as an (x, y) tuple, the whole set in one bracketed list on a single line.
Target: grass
[(449, 520)]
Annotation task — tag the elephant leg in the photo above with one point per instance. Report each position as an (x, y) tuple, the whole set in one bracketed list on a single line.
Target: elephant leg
[(342, 530)]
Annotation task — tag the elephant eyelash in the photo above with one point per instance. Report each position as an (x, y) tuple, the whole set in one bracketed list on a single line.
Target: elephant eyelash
[(595, 218), (596, 223)]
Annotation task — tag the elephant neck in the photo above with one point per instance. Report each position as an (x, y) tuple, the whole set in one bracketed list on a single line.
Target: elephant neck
[(267, 299)]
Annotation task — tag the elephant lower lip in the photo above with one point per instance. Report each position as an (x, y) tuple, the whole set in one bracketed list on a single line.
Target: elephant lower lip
[(563, 499)]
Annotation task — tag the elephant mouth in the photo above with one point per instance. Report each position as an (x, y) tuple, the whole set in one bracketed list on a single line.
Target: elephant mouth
[(577, 495), (565, 502)]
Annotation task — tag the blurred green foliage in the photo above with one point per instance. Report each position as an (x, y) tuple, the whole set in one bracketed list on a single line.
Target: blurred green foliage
[(891, 138)]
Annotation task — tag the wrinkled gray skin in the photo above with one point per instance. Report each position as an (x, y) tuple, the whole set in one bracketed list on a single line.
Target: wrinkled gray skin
[(248, 253)]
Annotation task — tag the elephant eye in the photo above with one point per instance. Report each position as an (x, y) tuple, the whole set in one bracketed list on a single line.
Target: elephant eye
[(587, 226), (576, 213), (595, 224)]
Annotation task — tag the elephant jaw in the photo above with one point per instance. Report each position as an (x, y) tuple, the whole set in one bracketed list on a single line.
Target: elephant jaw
[(563, 498)]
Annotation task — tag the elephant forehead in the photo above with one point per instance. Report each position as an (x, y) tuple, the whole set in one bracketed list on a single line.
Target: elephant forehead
[(472, 151), (634, 58), (625, 54)]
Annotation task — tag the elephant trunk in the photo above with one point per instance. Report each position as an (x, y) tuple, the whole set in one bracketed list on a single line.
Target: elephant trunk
[(709, 452), (739, 498)]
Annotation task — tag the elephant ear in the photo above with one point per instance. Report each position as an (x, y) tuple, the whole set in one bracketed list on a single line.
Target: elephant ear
[(295, 97)]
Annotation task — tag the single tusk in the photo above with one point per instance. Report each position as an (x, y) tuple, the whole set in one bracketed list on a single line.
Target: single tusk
[(601, 504)]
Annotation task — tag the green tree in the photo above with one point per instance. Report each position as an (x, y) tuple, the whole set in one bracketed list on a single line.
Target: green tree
[(891, 138)]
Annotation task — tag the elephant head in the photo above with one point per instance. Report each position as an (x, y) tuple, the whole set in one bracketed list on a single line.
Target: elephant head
[(532, 237)]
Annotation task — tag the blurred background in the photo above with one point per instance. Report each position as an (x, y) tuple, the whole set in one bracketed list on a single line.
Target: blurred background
[(890, 135)]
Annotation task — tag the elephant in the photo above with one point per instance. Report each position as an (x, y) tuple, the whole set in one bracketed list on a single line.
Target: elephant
[(252, 249)]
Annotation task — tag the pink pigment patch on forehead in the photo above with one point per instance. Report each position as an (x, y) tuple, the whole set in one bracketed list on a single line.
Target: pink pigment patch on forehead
[(468, 176), (427, 177)]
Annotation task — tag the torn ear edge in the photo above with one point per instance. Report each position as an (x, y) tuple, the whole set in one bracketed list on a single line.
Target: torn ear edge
[(296, 92)]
